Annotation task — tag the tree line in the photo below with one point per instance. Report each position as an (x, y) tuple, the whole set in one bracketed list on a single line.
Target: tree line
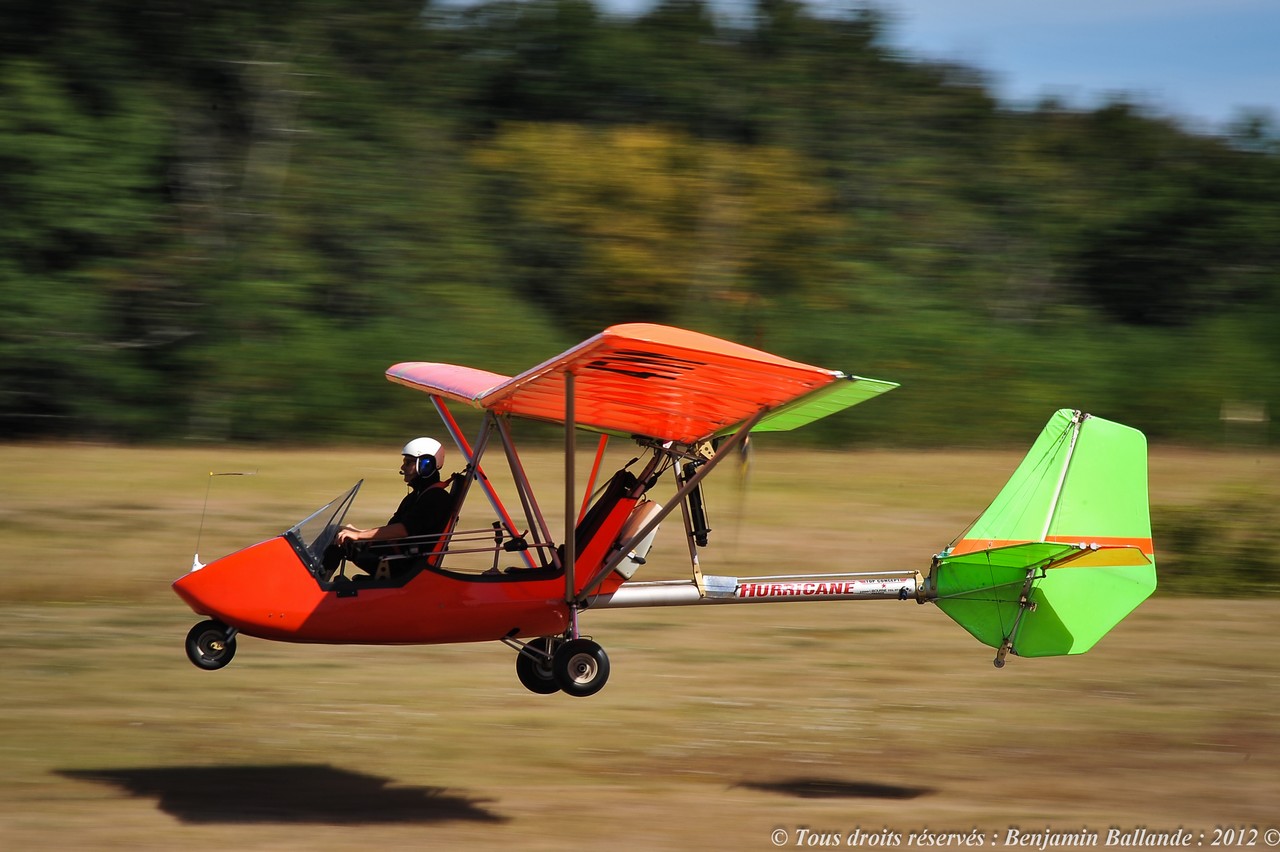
[(222, 221)]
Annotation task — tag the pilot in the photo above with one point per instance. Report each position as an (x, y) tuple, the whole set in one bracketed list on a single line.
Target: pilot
[(424, 511)]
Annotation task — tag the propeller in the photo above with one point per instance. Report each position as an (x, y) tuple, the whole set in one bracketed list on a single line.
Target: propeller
[(745, 454)]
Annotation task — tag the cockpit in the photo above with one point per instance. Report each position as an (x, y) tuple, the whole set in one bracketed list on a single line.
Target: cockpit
[(493, 553)]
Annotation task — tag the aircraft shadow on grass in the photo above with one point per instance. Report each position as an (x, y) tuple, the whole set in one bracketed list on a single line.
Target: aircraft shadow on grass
[(826, 788), (292, 793)]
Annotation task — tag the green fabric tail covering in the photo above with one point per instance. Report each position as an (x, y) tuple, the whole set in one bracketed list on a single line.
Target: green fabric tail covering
[(1075, 513)]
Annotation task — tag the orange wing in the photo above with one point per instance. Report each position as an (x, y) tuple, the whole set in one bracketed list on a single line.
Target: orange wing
[(640, 379)]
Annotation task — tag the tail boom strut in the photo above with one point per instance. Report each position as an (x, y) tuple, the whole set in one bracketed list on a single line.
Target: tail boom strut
[(789, 588)]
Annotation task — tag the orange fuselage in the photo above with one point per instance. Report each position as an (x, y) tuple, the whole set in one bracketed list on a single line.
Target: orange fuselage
[(266, 591)]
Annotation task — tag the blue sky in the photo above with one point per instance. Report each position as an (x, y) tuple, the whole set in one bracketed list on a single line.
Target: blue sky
[(1203, 60), (1200, 60)]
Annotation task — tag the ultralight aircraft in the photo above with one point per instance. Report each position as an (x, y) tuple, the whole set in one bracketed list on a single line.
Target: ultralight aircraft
[(1061, 555)]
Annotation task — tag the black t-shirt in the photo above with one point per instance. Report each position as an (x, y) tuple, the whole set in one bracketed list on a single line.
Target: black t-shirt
[(424, 510)]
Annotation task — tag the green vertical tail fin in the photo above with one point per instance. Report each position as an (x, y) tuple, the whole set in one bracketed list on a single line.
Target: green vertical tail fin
[(1064, 552)]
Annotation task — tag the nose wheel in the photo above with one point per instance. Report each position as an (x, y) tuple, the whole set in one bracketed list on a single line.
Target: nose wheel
[(211, 645)]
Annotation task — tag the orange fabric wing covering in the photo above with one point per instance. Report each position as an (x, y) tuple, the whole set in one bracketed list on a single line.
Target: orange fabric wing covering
[(637, 379)]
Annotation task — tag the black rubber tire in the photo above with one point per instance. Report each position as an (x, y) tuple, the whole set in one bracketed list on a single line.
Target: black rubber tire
[(208, 647), (535, 670), (581, 667)]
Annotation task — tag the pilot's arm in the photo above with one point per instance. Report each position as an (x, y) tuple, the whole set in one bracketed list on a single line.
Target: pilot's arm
[(350, 533)]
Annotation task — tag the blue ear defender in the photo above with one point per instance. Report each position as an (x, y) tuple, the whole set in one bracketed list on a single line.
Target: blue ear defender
[(426, 465)]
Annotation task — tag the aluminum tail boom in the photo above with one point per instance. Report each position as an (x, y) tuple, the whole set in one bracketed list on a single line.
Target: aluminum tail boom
[(790, 588)]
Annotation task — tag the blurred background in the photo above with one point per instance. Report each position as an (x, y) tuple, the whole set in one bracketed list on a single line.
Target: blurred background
[(222, 221)]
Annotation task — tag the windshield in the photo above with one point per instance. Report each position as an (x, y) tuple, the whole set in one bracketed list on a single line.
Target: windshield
[(315, 532)]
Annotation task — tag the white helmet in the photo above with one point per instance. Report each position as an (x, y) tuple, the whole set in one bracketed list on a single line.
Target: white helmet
[(422, 448)]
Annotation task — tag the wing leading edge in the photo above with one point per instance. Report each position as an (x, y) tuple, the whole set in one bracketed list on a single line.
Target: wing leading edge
[(665, 383)]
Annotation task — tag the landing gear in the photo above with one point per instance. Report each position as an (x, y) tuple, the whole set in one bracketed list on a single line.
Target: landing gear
[(533, 666), (580, 667), (211, 645), (551, 664)]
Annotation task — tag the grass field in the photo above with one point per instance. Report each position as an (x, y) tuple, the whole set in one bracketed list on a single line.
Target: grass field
[(716, 729)]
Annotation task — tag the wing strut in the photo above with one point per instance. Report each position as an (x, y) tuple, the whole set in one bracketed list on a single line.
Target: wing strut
[(591, 480), (569, 445), (678, 498), (478, 473), (532, 511)]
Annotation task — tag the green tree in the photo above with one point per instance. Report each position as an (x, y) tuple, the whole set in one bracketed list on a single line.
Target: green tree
[(642, 224)]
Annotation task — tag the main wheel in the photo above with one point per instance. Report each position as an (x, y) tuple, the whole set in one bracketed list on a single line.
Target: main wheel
[(533, 667), (209, 646), (581, 667)]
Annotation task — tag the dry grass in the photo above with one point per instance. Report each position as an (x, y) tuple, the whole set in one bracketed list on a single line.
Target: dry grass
[(716, 728)]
